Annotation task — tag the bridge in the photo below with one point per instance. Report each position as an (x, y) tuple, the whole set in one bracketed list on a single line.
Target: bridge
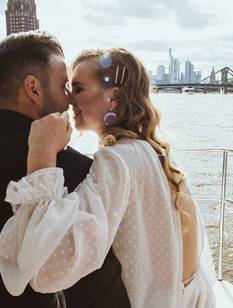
[(224, 85)]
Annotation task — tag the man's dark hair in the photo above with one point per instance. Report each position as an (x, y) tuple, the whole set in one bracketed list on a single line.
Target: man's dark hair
[(23, 54)]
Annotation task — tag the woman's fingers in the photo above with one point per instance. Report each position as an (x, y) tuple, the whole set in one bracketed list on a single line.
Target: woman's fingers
[(51, 133), (65, 116), (69, 129), (48, 136)]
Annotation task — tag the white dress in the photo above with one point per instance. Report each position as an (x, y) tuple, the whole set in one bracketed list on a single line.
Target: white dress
[(54, 238)]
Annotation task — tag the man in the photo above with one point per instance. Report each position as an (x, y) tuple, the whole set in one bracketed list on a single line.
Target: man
[(33, 82)]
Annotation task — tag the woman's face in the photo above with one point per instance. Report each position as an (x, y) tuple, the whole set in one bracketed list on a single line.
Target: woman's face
[(90, 100)]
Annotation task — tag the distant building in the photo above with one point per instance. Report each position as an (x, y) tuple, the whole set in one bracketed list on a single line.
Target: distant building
[(176, 71), (182, 78), (160, 74), (21, 16), (174, 68), (152, 79), (198, 76), (193, 74), (212, 76), (189, 72), (171, 66), (166, 78), (150, 76)]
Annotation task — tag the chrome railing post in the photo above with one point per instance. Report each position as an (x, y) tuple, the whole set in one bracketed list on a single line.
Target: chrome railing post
[(222, 215), (223, 201)]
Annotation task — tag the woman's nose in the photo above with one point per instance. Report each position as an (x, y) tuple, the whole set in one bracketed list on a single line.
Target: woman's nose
[(72, 100)]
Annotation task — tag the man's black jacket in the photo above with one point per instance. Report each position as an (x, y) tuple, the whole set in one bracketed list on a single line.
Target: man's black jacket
[(101, 289)]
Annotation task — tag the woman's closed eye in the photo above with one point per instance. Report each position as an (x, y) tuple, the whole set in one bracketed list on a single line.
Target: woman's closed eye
[(78, 89)]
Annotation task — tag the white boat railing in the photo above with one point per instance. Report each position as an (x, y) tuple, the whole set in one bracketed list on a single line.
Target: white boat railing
[(223, 201)]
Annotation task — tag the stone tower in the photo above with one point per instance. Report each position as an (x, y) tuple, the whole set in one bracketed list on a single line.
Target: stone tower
[(21, 16)]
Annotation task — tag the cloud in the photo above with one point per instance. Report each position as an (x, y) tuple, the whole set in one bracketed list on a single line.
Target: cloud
[(194, 21), (122, 10), (225, 40), (125, 8), (2, 18), (149, 45), (186, 13), (104, 20), (189, 14), (3, 4)]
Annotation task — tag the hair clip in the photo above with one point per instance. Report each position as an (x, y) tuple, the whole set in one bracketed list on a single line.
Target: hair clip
[(123, 75), (117, 72)]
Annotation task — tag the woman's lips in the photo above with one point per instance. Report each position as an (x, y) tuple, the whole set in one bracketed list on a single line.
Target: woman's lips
[(77, 112)]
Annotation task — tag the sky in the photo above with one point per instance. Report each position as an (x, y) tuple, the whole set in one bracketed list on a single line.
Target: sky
[(197, 30)]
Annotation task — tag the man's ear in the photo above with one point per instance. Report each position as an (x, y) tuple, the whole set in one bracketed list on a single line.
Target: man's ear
[(33, 88)]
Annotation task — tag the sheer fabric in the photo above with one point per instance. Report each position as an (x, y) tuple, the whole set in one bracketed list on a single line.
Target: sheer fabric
[(54, 238)]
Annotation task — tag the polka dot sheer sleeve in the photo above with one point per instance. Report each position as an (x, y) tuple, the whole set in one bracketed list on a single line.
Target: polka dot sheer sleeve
[(54, 238)]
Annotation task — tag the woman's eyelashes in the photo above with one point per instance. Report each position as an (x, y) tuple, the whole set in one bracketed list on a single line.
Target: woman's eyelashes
[(79, 89), (76, 90)]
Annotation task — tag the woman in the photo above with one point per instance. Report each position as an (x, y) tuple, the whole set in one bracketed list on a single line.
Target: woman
[(134, 199)]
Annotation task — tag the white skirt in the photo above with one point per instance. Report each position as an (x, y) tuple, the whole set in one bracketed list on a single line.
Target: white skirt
[(198, 294)]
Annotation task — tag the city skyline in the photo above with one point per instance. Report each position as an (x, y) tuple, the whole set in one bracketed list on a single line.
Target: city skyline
[(176, 72), (198, 31)]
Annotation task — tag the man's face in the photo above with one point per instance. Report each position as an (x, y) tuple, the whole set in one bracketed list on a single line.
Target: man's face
[(56, 95)]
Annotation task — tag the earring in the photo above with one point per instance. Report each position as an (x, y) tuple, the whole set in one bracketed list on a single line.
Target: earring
[(110, 117)]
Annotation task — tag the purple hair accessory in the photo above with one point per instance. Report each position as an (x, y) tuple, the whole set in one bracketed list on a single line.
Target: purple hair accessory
[(110, 117)]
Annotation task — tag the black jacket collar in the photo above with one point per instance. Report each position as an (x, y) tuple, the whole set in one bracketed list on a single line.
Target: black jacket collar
[(14, 120)]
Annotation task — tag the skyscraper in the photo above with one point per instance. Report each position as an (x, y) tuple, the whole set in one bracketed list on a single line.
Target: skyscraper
[(176, 71), (212, 76), (174, 68), (21, 16), (171, 66), (160, 73), (182, 77), (198, 76), (189, 72)]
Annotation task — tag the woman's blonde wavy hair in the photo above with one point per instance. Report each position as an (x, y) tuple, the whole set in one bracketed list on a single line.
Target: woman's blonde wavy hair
[(137, 118)]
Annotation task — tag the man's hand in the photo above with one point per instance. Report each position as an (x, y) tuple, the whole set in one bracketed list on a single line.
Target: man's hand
[(48, 136)]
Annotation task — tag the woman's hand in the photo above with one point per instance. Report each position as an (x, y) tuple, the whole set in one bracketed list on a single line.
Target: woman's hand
[(48, 136)]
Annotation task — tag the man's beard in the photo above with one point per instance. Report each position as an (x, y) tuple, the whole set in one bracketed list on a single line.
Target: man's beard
[(51, 105)]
